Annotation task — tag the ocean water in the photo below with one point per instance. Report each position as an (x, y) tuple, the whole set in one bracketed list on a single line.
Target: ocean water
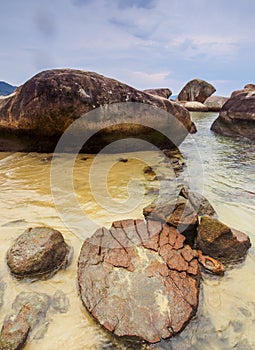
[(104, 189)]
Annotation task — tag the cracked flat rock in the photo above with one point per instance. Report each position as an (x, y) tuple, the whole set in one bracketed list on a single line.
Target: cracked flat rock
[(139, 279)]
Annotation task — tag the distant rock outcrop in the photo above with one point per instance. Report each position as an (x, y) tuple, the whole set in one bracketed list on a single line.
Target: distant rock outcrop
[(237, 116), (215, 103), (196, 90), (37, 114), (162, 92), (6, 89)]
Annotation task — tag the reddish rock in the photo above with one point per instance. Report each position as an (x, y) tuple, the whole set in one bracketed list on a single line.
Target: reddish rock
[(196, 90), (153, 300), (220, 242)]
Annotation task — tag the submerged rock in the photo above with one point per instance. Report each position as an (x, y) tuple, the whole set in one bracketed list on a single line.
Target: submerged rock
[(199, 202), (36, 252), (139, 279), (196, 90), (220, 242), (37, 114), (237, 116), (29, 318)]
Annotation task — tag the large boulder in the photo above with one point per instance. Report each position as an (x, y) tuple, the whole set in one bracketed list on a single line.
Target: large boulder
[(162, 92), (36, 252), (215, 103), (139, 279), (220, 242), (37, 114), (196, 90), (237, 116)]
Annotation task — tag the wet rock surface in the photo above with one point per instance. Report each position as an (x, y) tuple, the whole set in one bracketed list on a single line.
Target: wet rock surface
[(221, 242), (139, 279), (37, 252), (37, 114), (237, 116), (196, 90)]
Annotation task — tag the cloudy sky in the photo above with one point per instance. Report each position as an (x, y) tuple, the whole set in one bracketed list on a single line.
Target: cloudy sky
[(144, 43)]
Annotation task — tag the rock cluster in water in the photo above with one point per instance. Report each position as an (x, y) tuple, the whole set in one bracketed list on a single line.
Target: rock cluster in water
[(38, 253), (237, 116), (141, 277), (196, 96)]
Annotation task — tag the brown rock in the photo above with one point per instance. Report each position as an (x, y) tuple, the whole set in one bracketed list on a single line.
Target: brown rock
[(215, 103), (220, 242), (14, 332), (36, 252), (162, 92), (37, 114), (153, 300), (196, 90), (237, 116)]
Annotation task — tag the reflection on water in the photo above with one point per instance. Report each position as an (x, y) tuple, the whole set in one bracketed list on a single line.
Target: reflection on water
[(226, 317)]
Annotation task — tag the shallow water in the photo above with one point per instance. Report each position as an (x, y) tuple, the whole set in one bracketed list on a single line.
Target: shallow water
[(221, 167)]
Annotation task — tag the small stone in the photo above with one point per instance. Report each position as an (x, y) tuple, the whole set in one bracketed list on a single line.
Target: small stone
[(36, 252)]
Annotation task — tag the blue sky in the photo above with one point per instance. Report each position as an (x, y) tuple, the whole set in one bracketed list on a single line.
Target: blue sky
[(144, 43)]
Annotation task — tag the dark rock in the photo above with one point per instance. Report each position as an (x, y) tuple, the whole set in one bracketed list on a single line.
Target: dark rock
[(237, 116), (162, 92), (215, 103), (37, 114), (179, 214), (36, 252), (196, 90), (123, 160), (220, 242), (139, 279)]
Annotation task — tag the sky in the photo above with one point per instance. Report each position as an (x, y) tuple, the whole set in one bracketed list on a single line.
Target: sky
[(143, 43)]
